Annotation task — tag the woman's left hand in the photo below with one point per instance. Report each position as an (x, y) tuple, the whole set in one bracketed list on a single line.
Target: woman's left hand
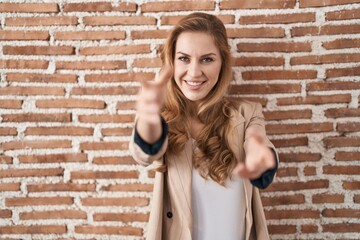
[(259, 158)]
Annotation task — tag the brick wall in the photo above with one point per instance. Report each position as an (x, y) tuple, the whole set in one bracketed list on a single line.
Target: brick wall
[(69, 78)]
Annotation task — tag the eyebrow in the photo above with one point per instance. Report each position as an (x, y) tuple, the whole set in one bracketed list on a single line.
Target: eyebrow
[(205, 55)]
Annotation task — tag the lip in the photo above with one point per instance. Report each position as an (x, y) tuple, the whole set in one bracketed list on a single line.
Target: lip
[(194, 85)]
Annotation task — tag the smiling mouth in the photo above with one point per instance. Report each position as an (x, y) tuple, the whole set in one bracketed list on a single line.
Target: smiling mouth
[(194, 84)]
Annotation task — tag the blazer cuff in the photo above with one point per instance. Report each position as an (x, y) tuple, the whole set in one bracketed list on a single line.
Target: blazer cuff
[(151, 149), (267, 177)]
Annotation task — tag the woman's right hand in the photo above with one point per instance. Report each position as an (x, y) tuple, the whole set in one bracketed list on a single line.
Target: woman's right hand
[(149, 104)]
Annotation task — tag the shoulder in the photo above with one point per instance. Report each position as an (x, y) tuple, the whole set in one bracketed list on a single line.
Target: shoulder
[(246, 109)]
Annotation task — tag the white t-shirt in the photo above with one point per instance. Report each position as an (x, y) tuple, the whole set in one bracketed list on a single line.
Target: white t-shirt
[(217, 212)]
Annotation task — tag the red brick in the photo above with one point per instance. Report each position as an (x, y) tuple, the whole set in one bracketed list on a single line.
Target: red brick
[(149, 34), (13, 173), (8, 131), (357, 199), (114, 160), (289, 114), (300, 157), (131, 187), (38, 50), (315, 99), (120, 77), (348, 127), (342, 213), (296, 185), (121, 217), (37, 117), (172, 20), (259, 61), (341, 170), (256, 32), (54, 158), (265, 88), (343, 14), (274, 47), (127, 105), (5, 213), (91, 65), (298, 128), (279, 74), (342, 112), (147, 63), (342, 72), (41, 21), (104, 146), (126, 201), (116, 131), (38, 201), (257, 4), (99, 7), (20, 63), (331, 142), (59, 131), (59, 214), (290, 142), (107, 118), (119, 20), (43, 78), (88, 7), (5, 159), (347, 156), (282, 229), (32, 91), (104, 91), (61, 187), (342, 43), (8, 35), (324, 59), (309, 228), (328, 86), (109, 230), (29, 7), (309, 171), (110, 50), (10, 104), (34, 229), (283, 200), (351, 185), (287, 172), (36, 144), (7, 187), (292, 214), (322, 3), (89, 35), (177, 6), (104, 174), (341, 227), (71, 103), (328, 198), (278, 18), (325, 30)]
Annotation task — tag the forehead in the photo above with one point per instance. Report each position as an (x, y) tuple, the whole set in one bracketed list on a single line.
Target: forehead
[(196, 43)]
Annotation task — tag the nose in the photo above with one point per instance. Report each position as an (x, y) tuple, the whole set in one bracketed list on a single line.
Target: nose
[(194, 70)]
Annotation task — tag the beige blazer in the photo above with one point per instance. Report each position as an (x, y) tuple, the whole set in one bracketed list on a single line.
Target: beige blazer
[(172, 187)]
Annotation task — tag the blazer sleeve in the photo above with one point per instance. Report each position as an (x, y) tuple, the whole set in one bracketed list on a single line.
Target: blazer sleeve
[(145, 153), (257, 121)]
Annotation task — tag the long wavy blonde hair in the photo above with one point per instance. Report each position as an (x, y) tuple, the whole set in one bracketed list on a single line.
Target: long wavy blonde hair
[(213, 158)]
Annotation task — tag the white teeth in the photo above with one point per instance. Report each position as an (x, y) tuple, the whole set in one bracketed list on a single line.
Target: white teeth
[(194, 83)]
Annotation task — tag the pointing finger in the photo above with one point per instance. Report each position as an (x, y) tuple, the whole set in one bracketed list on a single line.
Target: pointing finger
[(164, 75)]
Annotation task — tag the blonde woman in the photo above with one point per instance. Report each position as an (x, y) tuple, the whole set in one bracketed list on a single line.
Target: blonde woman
[(210, 153)]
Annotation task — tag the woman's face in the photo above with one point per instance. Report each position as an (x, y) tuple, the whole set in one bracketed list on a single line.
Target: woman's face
[(197, 64)]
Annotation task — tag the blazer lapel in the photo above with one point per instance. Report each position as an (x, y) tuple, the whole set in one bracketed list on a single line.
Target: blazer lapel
[(180, 177)]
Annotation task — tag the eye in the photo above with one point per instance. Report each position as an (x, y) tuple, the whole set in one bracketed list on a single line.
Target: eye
[(183, 59), (207, 59)]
